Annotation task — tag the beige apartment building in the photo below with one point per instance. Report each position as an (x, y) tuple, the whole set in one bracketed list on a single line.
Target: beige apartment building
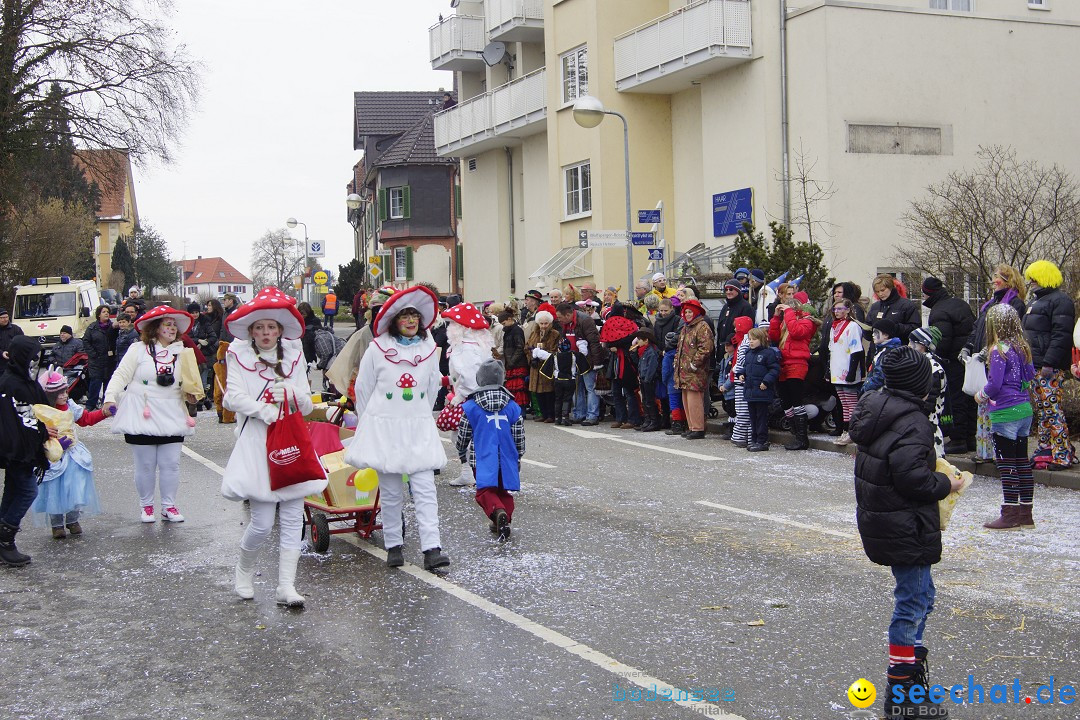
[(883, 97)]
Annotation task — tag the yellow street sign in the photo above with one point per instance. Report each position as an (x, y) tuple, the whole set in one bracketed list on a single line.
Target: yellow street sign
[(321, 278), (374, 271), (373, 260)]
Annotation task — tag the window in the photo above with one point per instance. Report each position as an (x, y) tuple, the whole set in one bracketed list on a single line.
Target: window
[(222, 289), (403, 260), (578, 185), (955, 5), (395, 203), (575, 74), (1039, 4)]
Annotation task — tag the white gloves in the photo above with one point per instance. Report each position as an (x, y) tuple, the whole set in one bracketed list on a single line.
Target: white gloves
[(964, 355), (277, 392), (540, 354), (268, 413), (583, 346)]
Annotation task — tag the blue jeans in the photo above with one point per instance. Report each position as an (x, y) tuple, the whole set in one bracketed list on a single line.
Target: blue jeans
[(586, 401), (20, 489), (93, 392), (914, 595), (1013, 428)]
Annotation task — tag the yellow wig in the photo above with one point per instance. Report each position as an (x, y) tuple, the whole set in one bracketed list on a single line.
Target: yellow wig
[(1045, 273)]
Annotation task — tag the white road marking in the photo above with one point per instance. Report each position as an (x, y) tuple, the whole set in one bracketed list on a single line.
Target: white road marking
[(628, 673), (524, 460), (777, 519), (589, 434)]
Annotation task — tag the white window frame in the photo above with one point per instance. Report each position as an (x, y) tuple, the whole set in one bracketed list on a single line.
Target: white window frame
[(401, 265), (571, 94), (1038, 4), (396, 194), (582, 192), (951, 5)]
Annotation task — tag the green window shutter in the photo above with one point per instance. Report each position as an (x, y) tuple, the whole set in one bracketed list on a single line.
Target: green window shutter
[(384, 210), (406, 202), (457, 201), (408, 263), (460, 264), (387, 262)]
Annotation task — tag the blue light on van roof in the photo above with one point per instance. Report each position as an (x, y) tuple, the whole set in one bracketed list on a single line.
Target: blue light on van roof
[(33, 281)]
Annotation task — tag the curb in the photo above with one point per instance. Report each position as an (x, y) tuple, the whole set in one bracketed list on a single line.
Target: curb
[(1058, 478)]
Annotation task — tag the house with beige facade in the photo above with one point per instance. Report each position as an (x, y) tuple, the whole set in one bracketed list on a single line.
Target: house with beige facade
[(117, 212), (884, 98)]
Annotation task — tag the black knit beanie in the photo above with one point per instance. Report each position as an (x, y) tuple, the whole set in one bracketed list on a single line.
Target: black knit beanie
[(906, 369)]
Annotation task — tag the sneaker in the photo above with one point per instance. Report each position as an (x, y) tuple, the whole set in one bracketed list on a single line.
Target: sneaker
[(148, 514), (394, 558), (844, 439), (172, 514)]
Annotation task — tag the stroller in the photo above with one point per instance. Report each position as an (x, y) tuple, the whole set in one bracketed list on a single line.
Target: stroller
[(77, 375)]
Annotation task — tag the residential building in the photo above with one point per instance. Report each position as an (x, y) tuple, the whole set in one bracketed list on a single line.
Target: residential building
[(205, 278), (883, 98), (410, 209), (117, 212)]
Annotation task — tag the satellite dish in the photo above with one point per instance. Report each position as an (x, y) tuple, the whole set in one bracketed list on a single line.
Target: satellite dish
[(494, 53)]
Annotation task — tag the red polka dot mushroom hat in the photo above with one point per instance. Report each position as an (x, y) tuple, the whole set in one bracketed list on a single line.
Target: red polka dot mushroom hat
[(467, 315), (269, 304), (419, 298), (183, 319)]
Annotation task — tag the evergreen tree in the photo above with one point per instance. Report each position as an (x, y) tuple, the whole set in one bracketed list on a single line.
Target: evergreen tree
[(782, 254), (123, 262), (153, 267), (350, 279)]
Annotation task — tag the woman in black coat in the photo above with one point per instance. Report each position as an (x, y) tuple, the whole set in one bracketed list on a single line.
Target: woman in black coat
[(99, 343), (311, 324), (207, 335), (890, 304)]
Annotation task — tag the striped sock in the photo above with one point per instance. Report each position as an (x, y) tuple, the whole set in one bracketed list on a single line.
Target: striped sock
[(901, 655)]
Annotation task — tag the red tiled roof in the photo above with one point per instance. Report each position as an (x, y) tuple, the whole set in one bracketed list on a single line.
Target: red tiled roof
[(213, 270), (111, 170)]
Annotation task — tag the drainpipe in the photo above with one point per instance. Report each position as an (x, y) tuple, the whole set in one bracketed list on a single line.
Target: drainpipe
[(784, 114), (510, 195)]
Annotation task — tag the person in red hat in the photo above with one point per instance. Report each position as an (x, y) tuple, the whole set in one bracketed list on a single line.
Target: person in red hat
[(396, 386), (470, 341), (692, 366), (265, 368), (150, 410), (791, 328)]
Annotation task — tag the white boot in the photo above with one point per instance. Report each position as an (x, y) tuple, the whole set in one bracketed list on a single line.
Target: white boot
[(465, 479), (245, 574), (286, 593)]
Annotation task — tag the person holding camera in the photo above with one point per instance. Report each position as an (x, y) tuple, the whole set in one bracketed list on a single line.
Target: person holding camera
[(150, 407)]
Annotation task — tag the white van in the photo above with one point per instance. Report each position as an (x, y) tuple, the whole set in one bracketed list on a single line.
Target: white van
[(46, 304)]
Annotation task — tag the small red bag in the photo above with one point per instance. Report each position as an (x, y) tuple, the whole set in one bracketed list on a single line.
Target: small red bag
[(449, 417), (289, 452)]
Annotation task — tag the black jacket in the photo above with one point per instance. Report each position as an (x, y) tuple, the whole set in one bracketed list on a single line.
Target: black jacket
[(98, 344), (207, 328), (22, 436), (977, 340), (954, 318), (1048, 328), (7, 333), (725, 324), (904, 312), (513, 348), (672, 323), (311, 324), (896, 489)]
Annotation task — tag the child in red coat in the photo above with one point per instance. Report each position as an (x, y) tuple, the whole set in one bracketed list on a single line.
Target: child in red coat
[(791, 328)]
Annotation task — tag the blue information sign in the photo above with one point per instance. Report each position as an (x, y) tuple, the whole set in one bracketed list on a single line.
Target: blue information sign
[(730, 210), (656, 253), (642, 238), (648, 216)]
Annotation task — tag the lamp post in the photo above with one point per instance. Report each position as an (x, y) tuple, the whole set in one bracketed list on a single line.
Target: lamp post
[(588, 113), (292, 223), (354, 202)]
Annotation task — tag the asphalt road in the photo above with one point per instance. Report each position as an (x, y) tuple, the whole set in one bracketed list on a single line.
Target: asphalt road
[(736, 579)]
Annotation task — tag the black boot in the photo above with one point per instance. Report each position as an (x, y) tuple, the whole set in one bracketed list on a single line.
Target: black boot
[(799, 427), (678, 427), (10, 554), (901, 679), (435, 558)]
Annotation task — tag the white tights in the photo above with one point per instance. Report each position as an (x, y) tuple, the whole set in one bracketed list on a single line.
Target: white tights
[(157, 465), (290, 524)]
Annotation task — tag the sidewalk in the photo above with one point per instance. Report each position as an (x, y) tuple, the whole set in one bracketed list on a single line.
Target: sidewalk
[(1059, 478)]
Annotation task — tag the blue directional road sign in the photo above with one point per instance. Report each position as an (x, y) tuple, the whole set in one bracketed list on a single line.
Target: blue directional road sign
[(730, 210), (643, 238), (648, 216), (656, 253)]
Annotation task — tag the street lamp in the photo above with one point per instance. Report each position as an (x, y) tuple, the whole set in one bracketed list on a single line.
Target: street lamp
[(292, 223), (354, 202), (588, 113)]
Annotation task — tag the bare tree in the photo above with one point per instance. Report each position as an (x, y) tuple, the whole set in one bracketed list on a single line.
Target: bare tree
[(1002, 211), (809, 192), (47, 238), (275, 261)]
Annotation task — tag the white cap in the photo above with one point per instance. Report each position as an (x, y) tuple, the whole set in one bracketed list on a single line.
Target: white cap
[(658, 276)]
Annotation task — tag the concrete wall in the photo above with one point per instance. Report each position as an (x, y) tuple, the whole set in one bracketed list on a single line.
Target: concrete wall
[(483, 228), (432, 263)]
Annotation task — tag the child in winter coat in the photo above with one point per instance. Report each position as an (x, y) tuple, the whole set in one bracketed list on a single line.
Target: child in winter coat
[(925, 340), (845, 355), (491, 436), (667, 380), (648, 373), (564, 373), (897, 493), (760, 372), (67, 489), (740, 434), (886, 338)]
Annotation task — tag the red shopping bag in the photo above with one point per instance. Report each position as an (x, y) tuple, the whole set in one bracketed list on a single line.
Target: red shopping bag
[(289, 452)]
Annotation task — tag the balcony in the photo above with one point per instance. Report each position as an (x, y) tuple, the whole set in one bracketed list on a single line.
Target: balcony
[(495, 119), (515, 20), (665, 55), (457, 44)]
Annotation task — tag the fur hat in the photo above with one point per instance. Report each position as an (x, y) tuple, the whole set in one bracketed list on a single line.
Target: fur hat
[(908, 370), (490, 374), (1044, 272)]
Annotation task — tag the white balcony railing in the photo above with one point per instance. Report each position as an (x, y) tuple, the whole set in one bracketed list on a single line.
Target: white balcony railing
[(662, 55), (515, 20), (457, 43), (516, 109)]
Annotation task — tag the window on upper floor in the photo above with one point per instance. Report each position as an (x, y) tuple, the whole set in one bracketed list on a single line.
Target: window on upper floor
[(955, 5), (1039, 4), (395, 203), (575, 74), (578, 188)]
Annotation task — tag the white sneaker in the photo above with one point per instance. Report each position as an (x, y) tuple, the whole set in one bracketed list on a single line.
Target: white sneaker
[(465, 479), (844, 439), (148, 514), (172, 514)]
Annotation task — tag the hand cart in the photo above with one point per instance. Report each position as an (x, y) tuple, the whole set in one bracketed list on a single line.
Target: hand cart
[(350, 502)]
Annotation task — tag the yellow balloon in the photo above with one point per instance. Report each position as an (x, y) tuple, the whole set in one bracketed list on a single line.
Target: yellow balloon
[(365, 480), (862, 693)]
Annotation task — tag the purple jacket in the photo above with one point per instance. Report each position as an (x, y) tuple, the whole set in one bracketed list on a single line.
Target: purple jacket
[(1006, 378)]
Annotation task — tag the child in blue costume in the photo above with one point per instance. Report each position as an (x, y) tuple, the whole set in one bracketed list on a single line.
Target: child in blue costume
[(492, 438), (67, 489)]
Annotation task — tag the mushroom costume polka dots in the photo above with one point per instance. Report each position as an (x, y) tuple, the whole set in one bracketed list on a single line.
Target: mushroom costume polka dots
[(183, 319), (269, 304), (466, 315)]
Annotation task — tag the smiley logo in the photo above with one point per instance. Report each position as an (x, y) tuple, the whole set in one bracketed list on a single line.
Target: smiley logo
[(862, 693)]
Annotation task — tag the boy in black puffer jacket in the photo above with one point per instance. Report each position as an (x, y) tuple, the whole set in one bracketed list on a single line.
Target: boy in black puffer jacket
[(897, 492)]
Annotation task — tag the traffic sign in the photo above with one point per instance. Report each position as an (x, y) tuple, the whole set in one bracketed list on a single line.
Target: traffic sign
[(648, 216), (374, 271), (316, 248), (643, 238), (373, 260), (601, 238), (656, 254), (321, 278), (383, 251)]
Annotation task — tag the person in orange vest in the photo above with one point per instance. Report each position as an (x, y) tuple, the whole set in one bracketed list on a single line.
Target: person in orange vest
[(329, 308)]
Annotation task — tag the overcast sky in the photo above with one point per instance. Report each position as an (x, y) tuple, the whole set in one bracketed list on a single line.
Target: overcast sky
[(272, 136)]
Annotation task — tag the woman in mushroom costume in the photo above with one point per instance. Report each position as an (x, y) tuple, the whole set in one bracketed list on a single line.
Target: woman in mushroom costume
[(471, 342), (265, 370), (396, 386)]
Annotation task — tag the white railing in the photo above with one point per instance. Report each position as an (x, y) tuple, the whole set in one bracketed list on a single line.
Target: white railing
[(455, 34), (505, 108), (501, 12), (705, 24)]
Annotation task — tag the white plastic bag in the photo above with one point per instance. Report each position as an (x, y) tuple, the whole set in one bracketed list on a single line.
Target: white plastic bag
[(974, 374)]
